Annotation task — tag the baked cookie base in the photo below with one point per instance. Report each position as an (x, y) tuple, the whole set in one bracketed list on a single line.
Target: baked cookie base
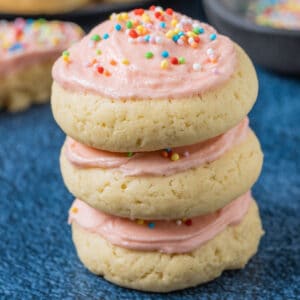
[(30, 85), (158, 272), (186, 194)]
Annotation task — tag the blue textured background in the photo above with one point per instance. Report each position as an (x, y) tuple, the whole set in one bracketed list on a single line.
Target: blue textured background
[(38, 260)]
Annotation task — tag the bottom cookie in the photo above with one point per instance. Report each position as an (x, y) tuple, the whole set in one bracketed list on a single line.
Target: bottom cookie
[(162, 272)]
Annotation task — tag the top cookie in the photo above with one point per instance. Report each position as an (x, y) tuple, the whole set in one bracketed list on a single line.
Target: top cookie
[(151, 79)]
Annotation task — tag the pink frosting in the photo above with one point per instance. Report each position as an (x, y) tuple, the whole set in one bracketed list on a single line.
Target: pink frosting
[(153, 163), (207, 63), (164, 236), (23, 43)]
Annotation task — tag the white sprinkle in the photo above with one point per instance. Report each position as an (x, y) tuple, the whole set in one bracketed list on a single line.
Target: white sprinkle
[(197, 67), (140, 39), (178, 222), (179, 26), (158, 40), (91, 44), (210, 51), (195, 25), (149, 26), (184, 21), (152, 39), (180, 42), (131, 40), (191, 40), (158, 8)]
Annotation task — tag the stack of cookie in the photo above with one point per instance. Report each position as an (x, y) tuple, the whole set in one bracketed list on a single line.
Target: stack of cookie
[(159, 152)]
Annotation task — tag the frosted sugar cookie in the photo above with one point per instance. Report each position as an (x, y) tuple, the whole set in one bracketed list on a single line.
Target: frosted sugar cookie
[(151, 79), (166, 255), (28, 50), (182, 183)]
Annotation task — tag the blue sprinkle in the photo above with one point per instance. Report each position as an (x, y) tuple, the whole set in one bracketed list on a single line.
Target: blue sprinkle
[(105, 36), (168, 150), (151, 225), (163, 25), (15, 47), (165, 54), (201, 30), (181, 33), (118, 27), (29, 21), (147, 38), (213, 36), (176, 38)]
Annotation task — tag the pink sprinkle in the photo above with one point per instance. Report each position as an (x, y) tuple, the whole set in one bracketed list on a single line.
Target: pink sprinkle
[(186, 154)]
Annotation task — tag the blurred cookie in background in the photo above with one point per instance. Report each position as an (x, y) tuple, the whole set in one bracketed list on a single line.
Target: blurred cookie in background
[(276, 13), (40, 6), (28, 49)]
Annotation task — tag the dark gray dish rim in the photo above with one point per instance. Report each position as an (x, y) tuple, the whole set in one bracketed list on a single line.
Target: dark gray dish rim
[(238, 20)]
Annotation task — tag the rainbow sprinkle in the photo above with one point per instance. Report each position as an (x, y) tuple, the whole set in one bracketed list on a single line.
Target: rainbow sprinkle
[(157, 26)]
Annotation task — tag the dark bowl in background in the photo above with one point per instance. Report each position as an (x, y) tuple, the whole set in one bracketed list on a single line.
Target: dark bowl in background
[(276, 49)]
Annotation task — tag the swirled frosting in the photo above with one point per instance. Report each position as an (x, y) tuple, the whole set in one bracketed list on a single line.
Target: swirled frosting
[(144, 54), (164, 236), (154, 163), (24, 42)]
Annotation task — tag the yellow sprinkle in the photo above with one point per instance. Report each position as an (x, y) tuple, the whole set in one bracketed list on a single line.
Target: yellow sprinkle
[(125, 61), (170, 34), (184, 219), (176, 30), (175, 157), (124, 16), (140, 222), (174, 22), (140, 29), (119, 17), (74, 210), (164, 64), (146, 18), (191, 34), (66, 59)]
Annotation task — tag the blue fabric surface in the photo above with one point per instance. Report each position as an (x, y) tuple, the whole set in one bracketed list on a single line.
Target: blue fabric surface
[(38, 260)]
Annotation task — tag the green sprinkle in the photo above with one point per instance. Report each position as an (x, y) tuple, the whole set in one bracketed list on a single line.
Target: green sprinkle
[(98, 52), (149, 55), (129, 24), (96, 38), (181, 60), (130, 154), (42, 20), (66, 53), (198, 30)]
